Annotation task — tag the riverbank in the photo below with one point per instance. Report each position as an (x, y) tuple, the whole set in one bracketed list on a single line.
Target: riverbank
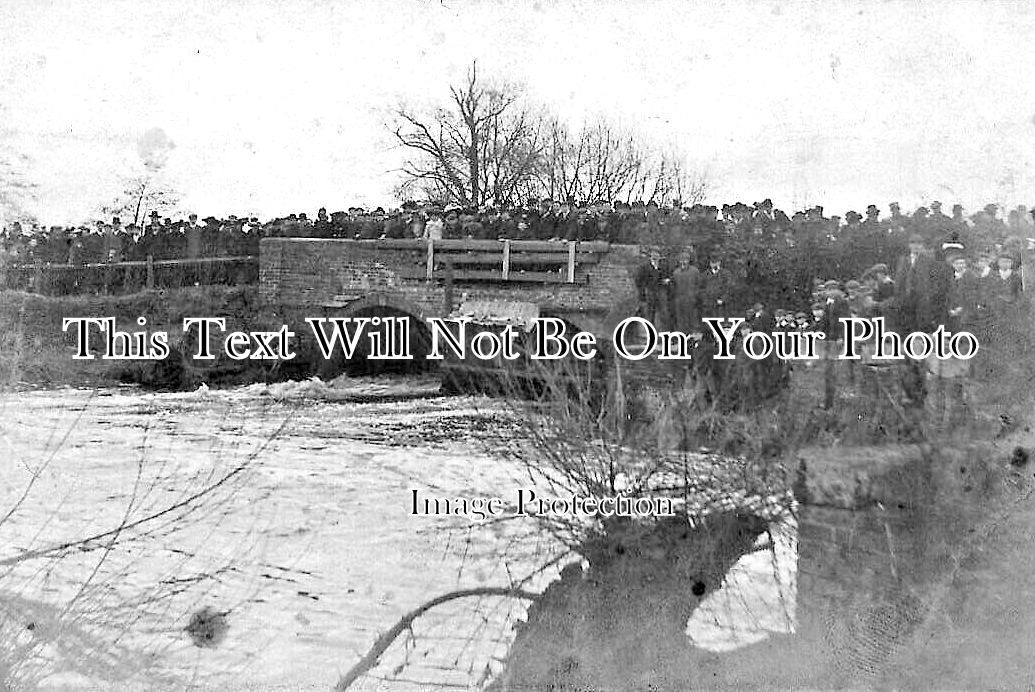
[(34, 349)]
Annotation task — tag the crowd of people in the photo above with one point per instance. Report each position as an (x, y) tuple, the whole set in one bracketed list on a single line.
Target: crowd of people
[(158, 238), (804, 271), (643, 223), (748, 254), (917, 272)]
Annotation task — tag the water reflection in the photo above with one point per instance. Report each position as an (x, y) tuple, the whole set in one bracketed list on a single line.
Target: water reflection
[(757, 597)]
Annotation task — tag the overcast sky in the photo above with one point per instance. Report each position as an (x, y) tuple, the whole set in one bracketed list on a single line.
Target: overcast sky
[(276, 107)]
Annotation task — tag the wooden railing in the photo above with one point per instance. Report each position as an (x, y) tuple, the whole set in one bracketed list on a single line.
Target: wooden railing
[(127, 277), (500, 260)]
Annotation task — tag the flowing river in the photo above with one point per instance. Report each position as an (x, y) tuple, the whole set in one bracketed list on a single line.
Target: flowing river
[(285, 511)]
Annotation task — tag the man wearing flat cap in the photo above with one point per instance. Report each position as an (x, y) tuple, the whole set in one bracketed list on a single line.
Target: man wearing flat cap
[(945, 380), (963, 289), (881, 283), (939, 221), (897, 222), (872, 221)]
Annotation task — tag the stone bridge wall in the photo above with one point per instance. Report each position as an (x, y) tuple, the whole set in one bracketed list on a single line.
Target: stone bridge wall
[(874, 524), (310, 277)]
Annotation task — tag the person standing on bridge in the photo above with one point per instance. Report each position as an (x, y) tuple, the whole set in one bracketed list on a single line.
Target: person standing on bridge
[(453, 227), (322, 226), (415, 224), (434, 229)]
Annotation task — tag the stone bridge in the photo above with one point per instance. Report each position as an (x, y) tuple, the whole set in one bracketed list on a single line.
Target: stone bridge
[(589, 284)]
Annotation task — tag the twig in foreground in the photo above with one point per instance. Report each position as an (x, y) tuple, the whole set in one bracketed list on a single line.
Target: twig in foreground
[(405, 622)]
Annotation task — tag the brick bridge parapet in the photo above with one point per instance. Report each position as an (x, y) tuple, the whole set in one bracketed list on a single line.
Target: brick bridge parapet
[(590, 284)]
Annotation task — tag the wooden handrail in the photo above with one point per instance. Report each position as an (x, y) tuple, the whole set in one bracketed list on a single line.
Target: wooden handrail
[(458, 244)]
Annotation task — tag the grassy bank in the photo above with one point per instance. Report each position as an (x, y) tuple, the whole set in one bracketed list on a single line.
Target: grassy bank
[(34, 350)]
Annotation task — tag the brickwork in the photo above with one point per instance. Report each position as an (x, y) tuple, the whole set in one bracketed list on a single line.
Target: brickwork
[(304, 276), (873, 528)]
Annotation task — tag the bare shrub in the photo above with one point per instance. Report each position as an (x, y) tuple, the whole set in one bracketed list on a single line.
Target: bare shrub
[(99, 578)]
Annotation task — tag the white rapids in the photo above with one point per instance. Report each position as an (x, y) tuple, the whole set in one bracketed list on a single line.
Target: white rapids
[(308, 548)]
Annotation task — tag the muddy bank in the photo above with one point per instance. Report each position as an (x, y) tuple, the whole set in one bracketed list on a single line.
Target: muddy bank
[(34, 349)]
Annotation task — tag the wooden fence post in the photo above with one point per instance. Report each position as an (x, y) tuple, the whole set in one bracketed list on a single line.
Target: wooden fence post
[(150, 272), (447, 293), (506, 260), (571, 261), (431, 259)]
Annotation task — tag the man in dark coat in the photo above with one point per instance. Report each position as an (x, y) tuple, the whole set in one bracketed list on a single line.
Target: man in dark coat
[(686, 296), (717, 299), (963, 294), (648, 277), (835, 308), (921, 283), (921, 293), (322, 227)]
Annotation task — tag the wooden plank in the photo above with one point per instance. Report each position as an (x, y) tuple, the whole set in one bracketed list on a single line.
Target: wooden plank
[(521, 245), (494, 275), (514, 249), (556, 254), (571, 262), (431, 260), (534, 277), (458, 244), (550, 258), (506, 259), (515, 259)]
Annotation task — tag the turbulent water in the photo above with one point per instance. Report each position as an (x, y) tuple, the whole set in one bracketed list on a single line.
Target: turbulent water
[(285, 510)]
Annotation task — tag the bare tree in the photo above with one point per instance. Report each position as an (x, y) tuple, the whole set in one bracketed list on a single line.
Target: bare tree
[(480, 149), (489, 147), (601, 162), (142, 195), (688, 187)]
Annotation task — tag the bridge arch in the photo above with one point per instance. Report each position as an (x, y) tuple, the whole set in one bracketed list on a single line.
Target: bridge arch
[(383, 305), (574, 321), (380, 299)]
